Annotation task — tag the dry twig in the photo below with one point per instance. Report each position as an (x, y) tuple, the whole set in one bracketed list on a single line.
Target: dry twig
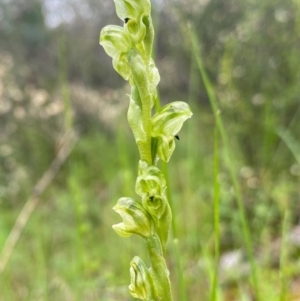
[(70, 139)]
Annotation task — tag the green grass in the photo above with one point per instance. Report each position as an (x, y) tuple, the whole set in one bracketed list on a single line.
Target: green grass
[(69, 251), (214, 289), (229, 160)]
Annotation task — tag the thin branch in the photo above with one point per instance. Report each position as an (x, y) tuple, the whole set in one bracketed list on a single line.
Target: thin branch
[(70, 139)]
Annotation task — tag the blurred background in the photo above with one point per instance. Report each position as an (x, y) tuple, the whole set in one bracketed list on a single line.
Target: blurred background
[(67, 153)]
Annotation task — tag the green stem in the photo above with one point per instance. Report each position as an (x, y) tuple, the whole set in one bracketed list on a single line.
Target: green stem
[(283, 257), (159, 269)]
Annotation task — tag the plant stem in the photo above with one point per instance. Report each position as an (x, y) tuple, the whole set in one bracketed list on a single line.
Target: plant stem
[(216, 217), (283, 256)]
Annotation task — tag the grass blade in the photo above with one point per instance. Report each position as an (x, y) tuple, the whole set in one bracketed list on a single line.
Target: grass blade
[(292, 144), (214, 296), (229, 158)]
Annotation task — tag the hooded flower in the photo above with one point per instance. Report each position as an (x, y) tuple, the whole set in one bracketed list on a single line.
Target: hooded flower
[(132, 9), (141, 281), (116, 43), (151, 186), (136, 219), (132, 13), (165, 126)]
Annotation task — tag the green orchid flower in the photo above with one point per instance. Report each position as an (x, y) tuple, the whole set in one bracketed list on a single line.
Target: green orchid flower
[(165, 126), (132, 13), (136, 29), (132, 9), (151, 186), (141, 280), (116, 43), (136, 220)]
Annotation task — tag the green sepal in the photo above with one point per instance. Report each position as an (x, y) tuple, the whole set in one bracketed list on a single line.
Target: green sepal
[(166, 124), (136, 220), (141, 285)]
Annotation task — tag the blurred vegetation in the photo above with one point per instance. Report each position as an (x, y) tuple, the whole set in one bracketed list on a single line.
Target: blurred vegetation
[(54, 77)]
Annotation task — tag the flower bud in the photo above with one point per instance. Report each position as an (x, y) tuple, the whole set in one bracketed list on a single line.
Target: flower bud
[(136, 219), (166, 124), (141, 281)]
